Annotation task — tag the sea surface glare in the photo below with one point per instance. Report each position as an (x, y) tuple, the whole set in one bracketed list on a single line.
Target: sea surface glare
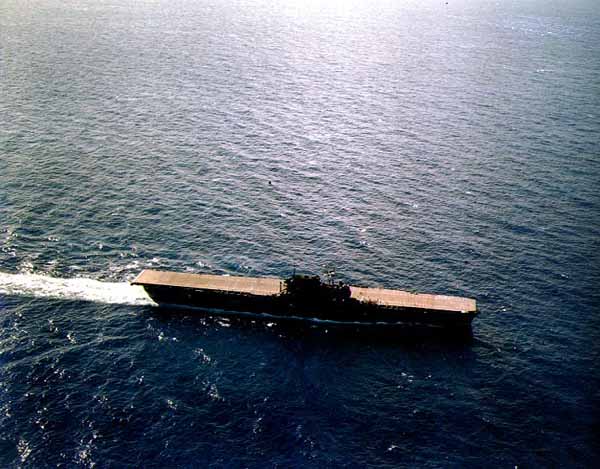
[(445, 147)]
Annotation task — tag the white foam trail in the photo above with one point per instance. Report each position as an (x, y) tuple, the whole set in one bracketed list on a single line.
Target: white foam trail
[(85, 289)]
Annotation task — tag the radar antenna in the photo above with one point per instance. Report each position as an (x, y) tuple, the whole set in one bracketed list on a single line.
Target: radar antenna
[(329, 273)]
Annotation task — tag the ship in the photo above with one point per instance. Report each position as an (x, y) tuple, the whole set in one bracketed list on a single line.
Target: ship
[(306, 298)]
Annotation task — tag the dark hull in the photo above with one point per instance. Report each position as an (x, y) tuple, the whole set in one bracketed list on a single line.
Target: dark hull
[(347, 314)]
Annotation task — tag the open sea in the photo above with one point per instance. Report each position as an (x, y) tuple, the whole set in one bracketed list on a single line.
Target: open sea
[(444, 147)]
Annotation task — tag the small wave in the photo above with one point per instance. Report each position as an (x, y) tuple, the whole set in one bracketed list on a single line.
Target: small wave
[(86, 289)]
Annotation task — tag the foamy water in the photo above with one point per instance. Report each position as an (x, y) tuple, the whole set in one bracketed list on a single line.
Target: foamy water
[(79, 288)]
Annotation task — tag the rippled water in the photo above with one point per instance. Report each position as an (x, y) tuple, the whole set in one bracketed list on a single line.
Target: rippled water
[(448, 148)]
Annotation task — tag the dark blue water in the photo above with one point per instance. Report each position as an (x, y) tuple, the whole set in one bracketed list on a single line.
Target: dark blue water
[(450, 148)]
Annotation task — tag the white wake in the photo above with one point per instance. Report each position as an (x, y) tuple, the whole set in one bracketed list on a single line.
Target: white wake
[(85, 289)]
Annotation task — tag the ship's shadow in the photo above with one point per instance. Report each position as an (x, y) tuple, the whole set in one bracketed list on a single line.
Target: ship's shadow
[(318, 332)]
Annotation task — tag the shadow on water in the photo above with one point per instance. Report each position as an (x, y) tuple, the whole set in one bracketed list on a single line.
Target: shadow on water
[(320, 334)]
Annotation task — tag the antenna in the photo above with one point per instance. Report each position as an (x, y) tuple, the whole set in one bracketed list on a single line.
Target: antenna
[(329, 274)]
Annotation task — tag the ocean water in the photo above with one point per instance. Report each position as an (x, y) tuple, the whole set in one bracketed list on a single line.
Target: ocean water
[(448, 147)]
